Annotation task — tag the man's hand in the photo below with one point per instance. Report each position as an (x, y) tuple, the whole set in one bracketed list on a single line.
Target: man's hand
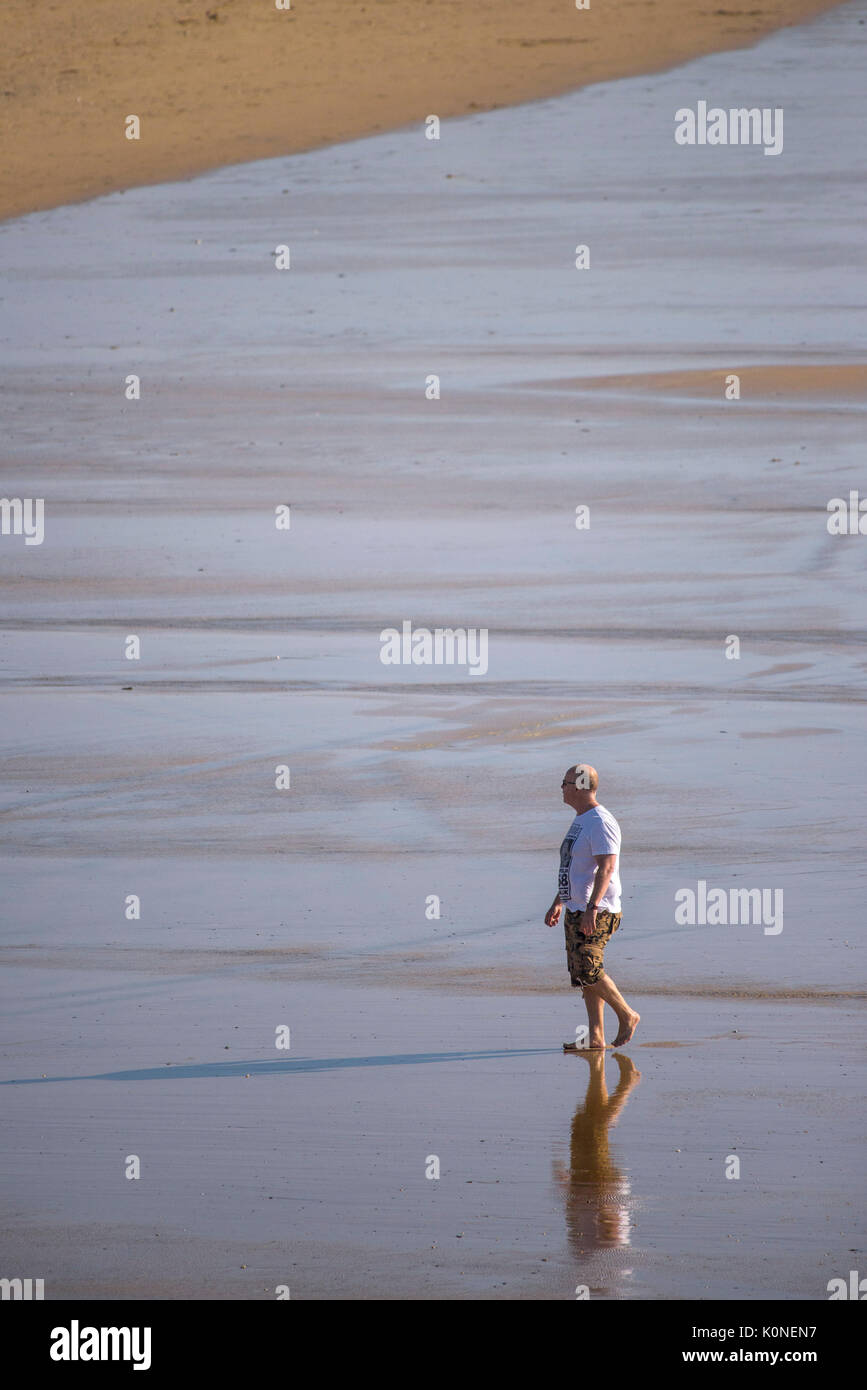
[(588, 921), (552, 916)]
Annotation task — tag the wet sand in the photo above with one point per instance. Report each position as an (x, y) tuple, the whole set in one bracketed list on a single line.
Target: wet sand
[(308, 1169), (241, 80), (414, 1037)]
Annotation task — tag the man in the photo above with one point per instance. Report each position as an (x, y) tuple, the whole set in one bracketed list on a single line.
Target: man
[(589, 887)]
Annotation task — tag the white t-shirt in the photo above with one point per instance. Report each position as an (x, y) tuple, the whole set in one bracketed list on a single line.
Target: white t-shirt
[(594, 832)]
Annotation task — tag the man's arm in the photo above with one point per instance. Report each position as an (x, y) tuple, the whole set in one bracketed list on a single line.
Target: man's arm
[(552, 916), (605, 866)]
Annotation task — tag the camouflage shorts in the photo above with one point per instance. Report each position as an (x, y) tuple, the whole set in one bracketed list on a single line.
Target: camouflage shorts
[(584, 953)]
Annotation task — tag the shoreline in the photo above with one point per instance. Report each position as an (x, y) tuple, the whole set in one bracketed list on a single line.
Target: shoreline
[(235, 84), (176, 914)]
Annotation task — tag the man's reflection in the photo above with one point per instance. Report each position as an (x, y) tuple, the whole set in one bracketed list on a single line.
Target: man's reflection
[(597, 1191)]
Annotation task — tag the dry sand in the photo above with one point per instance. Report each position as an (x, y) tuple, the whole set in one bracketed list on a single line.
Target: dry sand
[(787, 381), (234, 80), (414, 1036)]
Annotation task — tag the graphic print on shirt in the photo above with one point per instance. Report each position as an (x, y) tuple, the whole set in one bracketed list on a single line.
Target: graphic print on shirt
[(563, 885)]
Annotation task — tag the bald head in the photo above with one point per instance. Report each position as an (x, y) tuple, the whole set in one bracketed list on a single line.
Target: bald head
[(585, 777), (579, 787)]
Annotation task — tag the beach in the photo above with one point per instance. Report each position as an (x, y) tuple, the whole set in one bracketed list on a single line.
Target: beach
[(260, 907), (239, 80)]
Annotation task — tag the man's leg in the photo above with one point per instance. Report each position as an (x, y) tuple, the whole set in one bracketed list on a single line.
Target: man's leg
[(627, 1017), (595, 1010)]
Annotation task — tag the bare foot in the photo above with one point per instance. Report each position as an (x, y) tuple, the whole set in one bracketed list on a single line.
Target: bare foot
[(627, 1028), (594, 1045)]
